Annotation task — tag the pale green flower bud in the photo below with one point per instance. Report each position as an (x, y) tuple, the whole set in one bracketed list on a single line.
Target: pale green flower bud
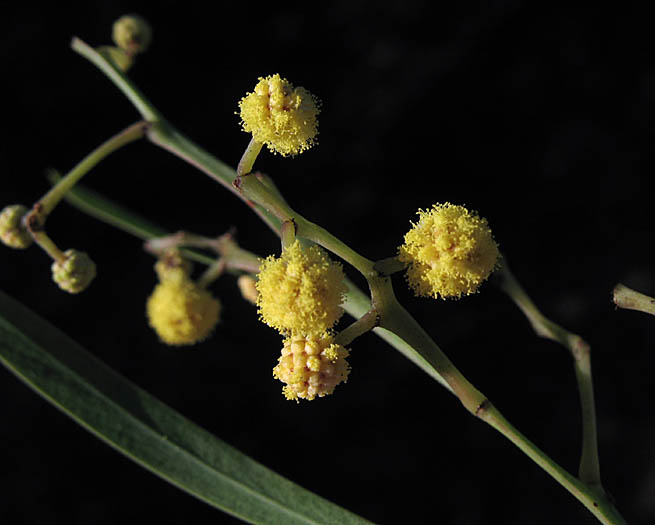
[(132, 33), (12, 231), (75, 273)]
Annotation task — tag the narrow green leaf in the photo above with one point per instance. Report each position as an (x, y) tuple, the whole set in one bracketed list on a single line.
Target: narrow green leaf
[(96, 205), (149, 432)]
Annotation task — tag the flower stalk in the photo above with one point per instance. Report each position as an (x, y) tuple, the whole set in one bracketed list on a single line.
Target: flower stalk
[(57, 192), (249, 156)]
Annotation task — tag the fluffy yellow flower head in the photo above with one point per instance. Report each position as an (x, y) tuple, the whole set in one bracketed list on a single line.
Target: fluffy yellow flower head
[(311, 366), (280, 116), (301, 291), (450, 252), (181, 312)]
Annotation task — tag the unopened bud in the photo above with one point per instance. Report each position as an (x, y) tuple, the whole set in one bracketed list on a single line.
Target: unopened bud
[(247, 286), (75, 272), (12, 231), (132, 33), (311, 366)]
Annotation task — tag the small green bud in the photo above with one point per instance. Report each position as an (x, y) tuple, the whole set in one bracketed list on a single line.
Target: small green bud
[(12, 231), (75, 273), (132, 33)]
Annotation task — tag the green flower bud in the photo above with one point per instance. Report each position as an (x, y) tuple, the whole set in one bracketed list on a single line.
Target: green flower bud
[(132, 33), (75, 273), (12, 231)]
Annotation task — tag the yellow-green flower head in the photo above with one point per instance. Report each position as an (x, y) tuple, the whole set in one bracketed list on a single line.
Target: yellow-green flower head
[(132, 34), (311, 366), (301, 291), (75, 273), (12, 231), (280, 116), (181, 312), (450, 252)]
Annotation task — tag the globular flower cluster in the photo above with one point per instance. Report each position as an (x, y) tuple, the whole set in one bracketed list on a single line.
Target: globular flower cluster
[(12, 231), (311, 366), (180, 311), (301, 291), (300, 294), (280, 115), (450, 252), (132, 34), (75, 273)]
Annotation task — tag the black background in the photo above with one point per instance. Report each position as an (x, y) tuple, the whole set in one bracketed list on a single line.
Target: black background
[(540, 119)]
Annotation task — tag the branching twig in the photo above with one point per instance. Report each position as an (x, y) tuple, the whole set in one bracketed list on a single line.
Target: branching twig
[(589, 470)]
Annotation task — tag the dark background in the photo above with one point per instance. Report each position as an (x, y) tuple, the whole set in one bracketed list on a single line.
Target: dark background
[(539, 119)]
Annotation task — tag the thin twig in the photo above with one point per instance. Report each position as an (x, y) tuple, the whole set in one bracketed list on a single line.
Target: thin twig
[(630, 299), (589, 470)]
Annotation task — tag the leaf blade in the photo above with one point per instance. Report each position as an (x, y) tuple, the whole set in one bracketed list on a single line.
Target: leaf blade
[(149, 432)]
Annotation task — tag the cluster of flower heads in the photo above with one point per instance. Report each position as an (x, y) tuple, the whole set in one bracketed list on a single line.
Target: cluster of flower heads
[(300, 295), (450, 251), (280, 115), (179, 310)]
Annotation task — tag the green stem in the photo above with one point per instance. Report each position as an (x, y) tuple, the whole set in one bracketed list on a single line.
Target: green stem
[(389, 266), (589, 469), (591, 496), (233, 257), (249, 156), (147, 110), (395, 318), (41, 238), (168, 138), (59, 190), (255, 190), (625, 297), (364, 324), (212, 273)]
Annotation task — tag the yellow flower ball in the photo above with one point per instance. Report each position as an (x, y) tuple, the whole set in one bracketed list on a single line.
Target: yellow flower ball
[(450, 252), (280, 116), (181, 312), (301, 291), (311, 367)]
